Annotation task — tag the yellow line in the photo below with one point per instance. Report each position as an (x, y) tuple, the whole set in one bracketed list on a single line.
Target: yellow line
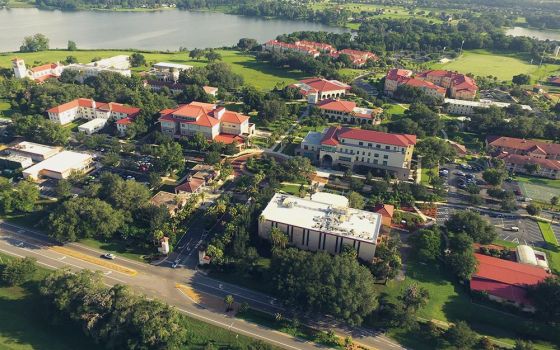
[(94, 260), (189, 292)]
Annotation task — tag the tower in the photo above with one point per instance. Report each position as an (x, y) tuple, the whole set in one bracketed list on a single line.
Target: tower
[(20, 71)]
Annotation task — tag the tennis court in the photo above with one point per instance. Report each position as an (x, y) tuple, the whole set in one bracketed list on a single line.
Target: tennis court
[(538, 192)]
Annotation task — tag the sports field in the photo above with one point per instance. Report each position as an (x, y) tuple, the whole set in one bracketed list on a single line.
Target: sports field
[(258, 74), (484, 63), (538, 192)]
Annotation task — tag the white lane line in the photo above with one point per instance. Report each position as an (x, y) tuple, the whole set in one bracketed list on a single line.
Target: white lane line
[(62, 258), (238, 295)]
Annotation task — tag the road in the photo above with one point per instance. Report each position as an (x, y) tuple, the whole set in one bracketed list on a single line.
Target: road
[(198, 296)]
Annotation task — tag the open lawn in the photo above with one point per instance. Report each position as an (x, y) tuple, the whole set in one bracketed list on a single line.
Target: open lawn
[(116, 247), (548, 234), (503, 66), (5, 109), (425, 178), (258, 74), (539, 181), (450, 302)]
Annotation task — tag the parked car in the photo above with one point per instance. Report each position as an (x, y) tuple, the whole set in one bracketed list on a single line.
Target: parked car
[(460, 173)]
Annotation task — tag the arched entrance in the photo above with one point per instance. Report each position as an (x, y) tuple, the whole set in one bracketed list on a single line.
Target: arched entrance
[(327, 161)]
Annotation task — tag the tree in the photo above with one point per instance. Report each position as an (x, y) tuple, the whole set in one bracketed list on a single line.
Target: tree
[(462, 264), (72, 47), (247, 44), (127, 195), (137, 60), (25, 196), (169, 157), (434, 151), (196, 54), (228, 300), (533, 209), (35, 43), (494, 176), (521, 79), (18, 271), (414, 297), (473, 225), (212, 56), (278, 238), (427, 244), (532, 168), (212, 158), (554, 200), (356, 200), (461, 336), (63, 188), (523, 345), (546, 297), (388, 260)]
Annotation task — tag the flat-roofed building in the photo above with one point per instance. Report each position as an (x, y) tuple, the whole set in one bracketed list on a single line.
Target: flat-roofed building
[(325, 224), (465, 107), (60, 166), (119, 64), (93, 126), (35, 151), (168, 71), (15, 161)]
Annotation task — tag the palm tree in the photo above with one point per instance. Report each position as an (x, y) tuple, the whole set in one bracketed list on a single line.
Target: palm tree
[(229, 302), (278, 238)]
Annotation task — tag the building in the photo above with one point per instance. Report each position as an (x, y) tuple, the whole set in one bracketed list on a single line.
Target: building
[(39, 74), (168, 72), (358, 58), (350, 148), (310, 48), (347, 112), (464, 107), (15, 161), (85, 108), (512, 145), (506, 281), (172, 202), (317, 89), (35, 151), (156, 85), (210, 90), (398, 77), (118, 64), (436, 83), (387, 212), (554, 80), (459, 85), (323, 225), (527, 255), (519, 164), (92, 126), (215, 123), (460, 149), (60, 166), (191, 185)]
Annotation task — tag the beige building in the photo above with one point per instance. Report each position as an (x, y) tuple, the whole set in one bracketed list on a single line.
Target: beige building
[(350, 148), (60, 166), (35, 151), (322, 223)]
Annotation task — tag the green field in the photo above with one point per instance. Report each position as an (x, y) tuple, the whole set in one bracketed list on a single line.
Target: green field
[(258, 74), (538, 189), (502, 66), (548, 234), (450, 302)]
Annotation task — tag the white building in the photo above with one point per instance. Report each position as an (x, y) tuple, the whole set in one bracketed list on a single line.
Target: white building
[(92, 126), (85, 108), (166, 71), (527, 255), (323, 224), (464, 107), (350, 148), (60, 166), (35, 151), (39, 74), (118, 64), (15, 161), (317, 89)]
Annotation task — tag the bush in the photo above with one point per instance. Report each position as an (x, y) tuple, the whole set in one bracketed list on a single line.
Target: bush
[(18, 271)]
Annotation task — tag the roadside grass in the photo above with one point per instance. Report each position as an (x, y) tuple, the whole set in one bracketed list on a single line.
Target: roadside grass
[(450, 302), (246, 280), (119, 248), (23, 327), (548, 234), (258, 74), (502, 66), (33, 220)]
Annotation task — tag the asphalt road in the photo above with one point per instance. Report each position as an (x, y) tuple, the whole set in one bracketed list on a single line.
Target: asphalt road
[(161, 282)]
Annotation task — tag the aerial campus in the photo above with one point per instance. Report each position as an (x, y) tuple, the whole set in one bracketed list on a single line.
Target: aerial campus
[(270, 174)]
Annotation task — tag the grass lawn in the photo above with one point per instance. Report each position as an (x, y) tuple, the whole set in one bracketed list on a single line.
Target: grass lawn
[(503, 66), (291, 189), (548, 234), (5, 109), (393, 109), (117, 248), (258, 74), (541, 181), (425, 178), (450, 302)]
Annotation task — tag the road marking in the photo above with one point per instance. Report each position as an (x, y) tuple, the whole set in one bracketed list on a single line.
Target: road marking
[(62, 258), (239, 295), (188, 292), (94, 260)]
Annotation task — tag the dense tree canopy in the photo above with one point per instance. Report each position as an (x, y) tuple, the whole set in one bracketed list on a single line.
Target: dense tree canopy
[(473, 225)]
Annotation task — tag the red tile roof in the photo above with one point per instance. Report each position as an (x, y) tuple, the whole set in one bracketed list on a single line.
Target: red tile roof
[(519, 159), (233, 117), (323, 85), (191, 185), (228, 138), (334, 134), (397, 74), (89, 103), (506, 279), (522, 144), (337, 105), (48, 66), (203, 114), (385, 210)]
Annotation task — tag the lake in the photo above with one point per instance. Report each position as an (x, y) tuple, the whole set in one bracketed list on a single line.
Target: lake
[(534, 33), (153, 30)]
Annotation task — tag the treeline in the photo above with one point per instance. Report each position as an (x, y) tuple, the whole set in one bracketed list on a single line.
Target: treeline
[(550, 20), (87, 4)]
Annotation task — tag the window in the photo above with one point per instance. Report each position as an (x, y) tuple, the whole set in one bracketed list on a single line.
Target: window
[(387, 147), (305, 147), (377, 146), (384, 162), (375, 161), (385, 157), (360, 143), (376, 155), (369, 145)]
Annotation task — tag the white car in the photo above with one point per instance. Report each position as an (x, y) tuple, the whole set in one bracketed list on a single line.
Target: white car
[(108, 256)]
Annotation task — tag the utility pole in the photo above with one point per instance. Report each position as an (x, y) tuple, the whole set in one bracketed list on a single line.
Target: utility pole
[(461, 51)]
